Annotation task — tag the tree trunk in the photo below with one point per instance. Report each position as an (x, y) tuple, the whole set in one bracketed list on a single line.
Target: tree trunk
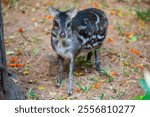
[(8, 89)]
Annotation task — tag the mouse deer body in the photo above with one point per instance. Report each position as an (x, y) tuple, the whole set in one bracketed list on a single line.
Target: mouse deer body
[(75, 31)]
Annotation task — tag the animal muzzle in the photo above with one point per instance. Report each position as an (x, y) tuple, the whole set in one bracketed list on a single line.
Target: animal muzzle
[(62, 35)]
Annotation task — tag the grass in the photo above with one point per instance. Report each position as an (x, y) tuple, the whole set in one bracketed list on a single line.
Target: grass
[(143, 14), (82, 61), (119, 29)]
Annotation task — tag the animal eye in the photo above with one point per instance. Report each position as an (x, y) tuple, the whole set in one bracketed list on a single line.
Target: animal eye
[(56, 23), (69, 24)]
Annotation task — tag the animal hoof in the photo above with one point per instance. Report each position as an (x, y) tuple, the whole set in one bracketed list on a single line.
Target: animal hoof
[(57, 86), (99, 68), (69, 94)]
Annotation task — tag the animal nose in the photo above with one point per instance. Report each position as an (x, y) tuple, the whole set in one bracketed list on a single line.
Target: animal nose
[(62, 34)]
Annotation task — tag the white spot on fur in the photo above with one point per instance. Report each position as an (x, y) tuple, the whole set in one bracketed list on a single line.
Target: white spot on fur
[(94, 36), (53, 32), (97, 20), (95, 44), (100, 37), (81, 27)]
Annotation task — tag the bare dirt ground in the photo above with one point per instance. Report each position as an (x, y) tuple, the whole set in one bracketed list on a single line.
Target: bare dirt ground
[(27, 40)]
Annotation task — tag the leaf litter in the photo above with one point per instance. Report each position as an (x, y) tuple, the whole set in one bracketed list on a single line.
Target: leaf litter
[(118, 75)]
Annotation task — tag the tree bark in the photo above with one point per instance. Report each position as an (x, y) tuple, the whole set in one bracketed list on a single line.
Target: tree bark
[(8, 89)]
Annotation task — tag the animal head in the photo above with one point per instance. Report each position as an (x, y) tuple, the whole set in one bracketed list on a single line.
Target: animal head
[(62, 22)]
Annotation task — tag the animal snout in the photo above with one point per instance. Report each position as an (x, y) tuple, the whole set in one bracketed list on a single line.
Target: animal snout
[(62, 34)]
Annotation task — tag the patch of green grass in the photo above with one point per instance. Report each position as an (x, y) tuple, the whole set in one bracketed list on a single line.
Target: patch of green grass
[(143, 14), (106, 73), (119, 29), (125, 72), (32, 95), (35, 51), (93, 79), (101, 97), (82, 61), (83, 88)]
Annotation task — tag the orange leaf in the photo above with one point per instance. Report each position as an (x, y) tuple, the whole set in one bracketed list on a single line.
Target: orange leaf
[(97, 85), (15, 65), (123, 82), (129, 34), (110, 40), (95, 4), (5, 2), (49, 2), (110, 27), (20, 30), (49, 17), (113, 73), (33, 19), (19, 65), (13, 59), (12, 65), (113, 12), (135, 51), (19, 52), (78, 90), (141, 67)]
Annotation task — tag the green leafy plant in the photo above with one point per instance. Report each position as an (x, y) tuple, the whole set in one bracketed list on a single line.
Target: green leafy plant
[(82, 61), (83, 88), (143, 14), (32, 95), (106, 73), (119, 29), (101, 97)]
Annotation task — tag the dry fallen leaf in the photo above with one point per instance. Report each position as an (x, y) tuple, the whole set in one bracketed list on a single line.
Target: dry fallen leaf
[(110, 40), (129, 34), (33, 19), (113, 73), (15, 65), (13, 59), (97, 85), (49, 17), (123, 82), (95, 4), (12, 65), (19, 65), (50, 2), (110, 27), (135, 51), (5, 2), (141, 67), (78, 90), (41, 88), (19, 52), (20, 30), (142, 24), (113, 12)]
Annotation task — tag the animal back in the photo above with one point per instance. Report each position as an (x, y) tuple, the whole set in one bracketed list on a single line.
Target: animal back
[(90, 26)]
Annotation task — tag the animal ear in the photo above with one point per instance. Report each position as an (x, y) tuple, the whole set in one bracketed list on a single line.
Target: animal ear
[(72, 13), (53, 11)]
